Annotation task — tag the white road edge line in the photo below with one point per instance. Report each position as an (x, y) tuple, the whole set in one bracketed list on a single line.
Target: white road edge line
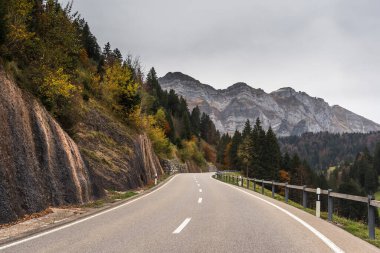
[(182, 226), (327, 241), (200, 200), (82, 220), (200, 190)]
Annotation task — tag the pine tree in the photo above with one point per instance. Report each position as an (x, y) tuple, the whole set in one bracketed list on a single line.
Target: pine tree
[(234, 149), (186, 133), (221, 148), (107, 52), (285, 162), (247, 129), (89, 41), (245, 154), (376, 159), (272, 155), (258, 142), (195, 120), (117, 54), (173, 102), (3, 25)]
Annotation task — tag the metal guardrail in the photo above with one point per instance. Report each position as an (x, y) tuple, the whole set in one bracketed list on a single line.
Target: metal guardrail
[(371, 203)]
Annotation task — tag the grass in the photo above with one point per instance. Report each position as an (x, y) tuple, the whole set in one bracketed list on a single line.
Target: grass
[(112, 196), (103, 138), (100, 158), (377, 195), (357, 228)]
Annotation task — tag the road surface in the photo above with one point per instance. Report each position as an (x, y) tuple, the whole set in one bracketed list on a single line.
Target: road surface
[(196, 213)]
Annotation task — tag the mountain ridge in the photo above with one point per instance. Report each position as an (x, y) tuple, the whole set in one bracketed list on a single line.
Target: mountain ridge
[(287, 111)]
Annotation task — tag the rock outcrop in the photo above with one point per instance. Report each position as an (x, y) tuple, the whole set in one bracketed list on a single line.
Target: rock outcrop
[(287, 111), (40, 165), (117, 158)]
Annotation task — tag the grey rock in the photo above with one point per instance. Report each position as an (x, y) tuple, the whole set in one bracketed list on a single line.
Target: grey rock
[(287, 111)]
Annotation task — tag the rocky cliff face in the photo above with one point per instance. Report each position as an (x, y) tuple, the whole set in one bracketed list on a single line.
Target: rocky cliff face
[(287, 111), (117, 158), (40, 165)]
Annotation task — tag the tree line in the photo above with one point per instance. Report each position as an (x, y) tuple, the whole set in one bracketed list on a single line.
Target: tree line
[(257, 154), (322, 150)]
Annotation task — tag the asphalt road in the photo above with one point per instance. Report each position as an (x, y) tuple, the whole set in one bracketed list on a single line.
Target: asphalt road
[(195, 213)]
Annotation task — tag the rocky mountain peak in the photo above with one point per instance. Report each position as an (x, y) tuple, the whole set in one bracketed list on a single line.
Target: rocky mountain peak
[(239, 85), (171, 76), (287, 111)]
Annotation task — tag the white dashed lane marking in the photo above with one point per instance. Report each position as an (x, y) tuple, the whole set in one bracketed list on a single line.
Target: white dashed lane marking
[(182, 226)]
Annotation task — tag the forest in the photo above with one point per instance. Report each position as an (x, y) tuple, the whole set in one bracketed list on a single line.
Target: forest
[(323, 150)]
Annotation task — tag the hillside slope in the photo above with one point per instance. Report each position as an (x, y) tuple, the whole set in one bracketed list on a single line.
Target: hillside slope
[(40, 165), (287, 111), (118, 157)]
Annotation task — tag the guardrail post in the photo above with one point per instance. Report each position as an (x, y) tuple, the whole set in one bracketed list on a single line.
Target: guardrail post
[(371, 218), (262, 186), (254, 184), (247, 183), (286, 193), (304, 197), (272, 189), (318, 204), (330, 205)]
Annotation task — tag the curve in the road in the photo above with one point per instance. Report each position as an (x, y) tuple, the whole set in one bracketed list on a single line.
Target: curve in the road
[(327, 241)]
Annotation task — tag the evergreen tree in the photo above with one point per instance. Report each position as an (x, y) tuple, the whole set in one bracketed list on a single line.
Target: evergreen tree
[(376, 159), (247, 129), (186, 133), (221, 149), (3, 25), (245, 154), (117, 54), (351, 210), (285, 162), (89, 41), (234, 149), (272, 155), (173, 102), (107, 52), (152, 80), (258, 142), (195, 120)]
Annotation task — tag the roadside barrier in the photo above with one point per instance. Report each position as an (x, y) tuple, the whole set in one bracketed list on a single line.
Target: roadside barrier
[(369, 200)]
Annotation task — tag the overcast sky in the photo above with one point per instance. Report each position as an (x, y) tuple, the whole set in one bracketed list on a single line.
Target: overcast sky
[(327, 48)]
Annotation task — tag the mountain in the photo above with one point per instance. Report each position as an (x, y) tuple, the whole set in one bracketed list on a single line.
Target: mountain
[(288, 112)]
